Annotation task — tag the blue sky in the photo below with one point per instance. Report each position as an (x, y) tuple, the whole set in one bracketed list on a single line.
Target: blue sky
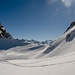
[(37, 19)]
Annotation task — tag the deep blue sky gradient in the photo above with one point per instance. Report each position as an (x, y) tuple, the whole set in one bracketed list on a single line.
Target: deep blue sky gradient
[(36, 19)]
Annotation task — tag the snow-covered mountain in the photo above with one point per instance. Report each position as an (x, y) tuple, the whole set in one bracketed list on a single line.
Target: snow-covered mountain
[(56, 58), (38, 42), (63, 45), (7, 41)]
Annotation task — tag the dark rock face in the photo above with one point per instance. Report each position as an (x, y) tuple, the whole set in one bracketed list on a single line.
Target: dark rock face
[(70, 36), (3, 33), (71, 25), (2, 30)]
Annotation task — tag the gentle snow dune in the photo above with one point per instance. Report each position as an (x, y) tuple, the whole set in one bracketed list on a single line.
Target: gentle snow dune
[(57, 58), (23, 52)]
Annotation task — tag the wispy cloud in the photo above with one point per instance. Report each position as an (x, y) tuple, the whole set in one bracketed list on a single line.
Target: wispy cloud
[(68, 3)]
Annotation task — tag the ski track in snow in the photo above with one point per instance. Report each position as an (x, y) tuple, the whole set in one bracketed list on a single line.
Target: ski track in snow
[(33, 63), (72, 61)]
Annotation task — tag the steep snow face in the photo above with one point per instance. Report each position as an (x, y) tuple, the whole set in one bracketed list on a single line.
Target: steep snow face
[(63, 45)]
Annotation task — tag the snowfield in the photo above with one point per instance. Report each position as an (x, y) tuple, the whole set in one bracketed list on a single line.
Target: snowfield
[(57, 58), (62, 65)]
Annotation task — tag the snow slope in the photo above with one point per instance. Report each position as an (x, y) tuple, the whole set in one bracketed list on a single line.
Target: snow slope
[(64, 65), (9, 43), (62, 45), (58, 58)]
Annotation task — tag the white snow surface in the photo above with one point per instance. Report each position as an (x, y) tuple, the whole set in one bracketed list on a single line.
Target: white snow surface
[(57, 58)]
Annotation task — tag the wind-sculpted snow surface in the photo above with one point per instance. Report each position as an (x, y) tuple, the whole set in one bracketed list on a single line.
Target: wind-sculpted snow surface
[(23, 52)]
